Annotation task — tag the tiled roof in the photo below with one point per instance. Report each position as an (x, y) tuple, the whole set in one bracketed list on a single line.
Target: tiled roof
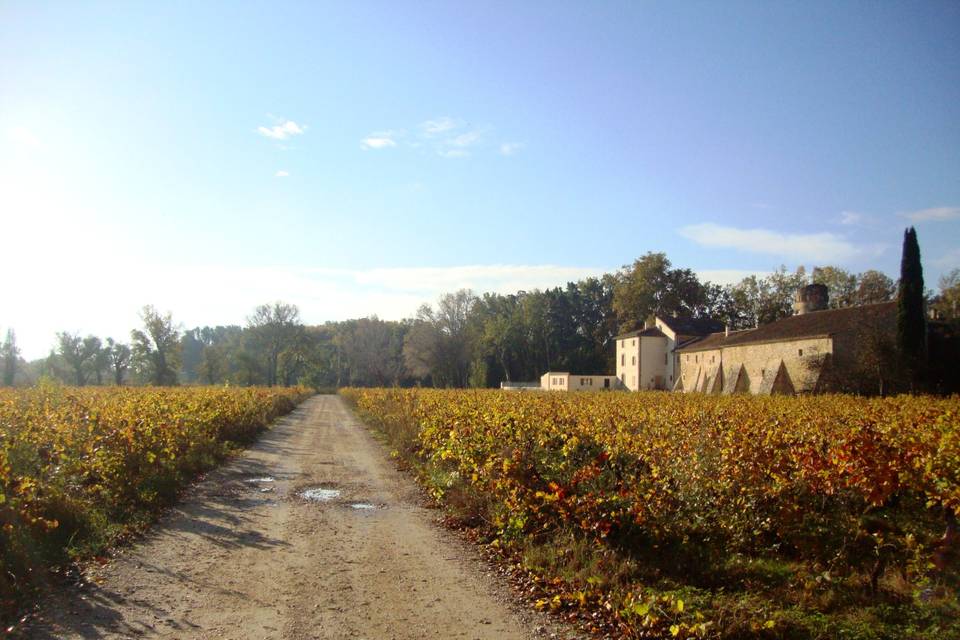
[(652, 332), (807, 325), (680, 326), (692, 326)]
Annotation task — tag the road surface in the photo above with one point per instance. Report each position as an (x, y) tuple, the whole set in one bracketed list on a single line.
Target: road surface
[(246, 555)]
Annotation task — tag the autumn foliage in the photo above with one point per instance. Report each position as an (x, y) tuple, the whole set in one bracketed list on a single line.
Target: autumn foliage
[(861, 489), (81, 466)]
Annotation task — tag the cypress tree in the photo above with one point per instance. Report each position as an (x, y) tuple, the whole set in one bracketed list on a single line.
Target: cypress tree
[(911, 321)]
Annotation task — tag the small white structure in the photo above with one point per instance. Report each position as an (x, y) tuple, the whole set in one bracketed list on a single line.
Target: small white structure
[(565, 381)]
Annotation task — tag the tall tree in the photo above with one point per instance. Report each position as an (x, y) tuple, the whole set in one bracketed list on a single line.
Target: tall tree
[(275, 327), (650, 286), (119, 357), (79, 354), (911, 320), (947, 303), (156, 348), (11, 358), (841, 285), (437, 346), (100, 360), (874, 287)]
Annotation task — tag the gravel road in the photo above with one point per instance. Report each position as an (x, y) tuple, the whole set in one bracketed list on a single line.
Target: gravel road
[(247, 555)]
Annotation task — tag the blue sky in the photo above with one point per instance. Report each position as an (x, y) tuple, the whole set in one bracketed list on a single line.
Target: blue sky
[(362, 157)]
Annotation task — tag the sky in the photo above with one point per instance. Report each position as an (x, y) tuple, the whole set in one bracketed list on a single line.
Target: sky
[(359, 158)]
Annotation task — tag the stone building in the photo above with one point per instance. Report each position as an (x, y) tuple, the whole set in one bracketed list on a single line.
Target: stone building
[(648, 358), (817, 349)]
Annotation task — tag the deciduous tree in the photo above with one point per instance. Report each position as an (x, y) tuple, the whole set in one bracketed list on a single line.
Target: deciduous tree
[(156, 348), (10, 355), (275, 327)]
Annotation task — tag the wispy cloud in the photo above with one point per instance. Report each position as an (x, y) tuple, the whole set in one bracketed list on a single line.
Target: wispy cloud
[(728, 276), (823, 247), (447, 137), (851, 218), (439, 126), (465, 139), (381, 140), (934, 214), (282, 130), (510, 148), (498, 278), (949, 260), (281, 174)]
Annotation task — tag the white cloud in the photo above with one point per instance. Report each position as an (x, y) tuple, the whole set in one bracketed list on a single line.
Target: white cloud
[(433, 281), (281, 174), (382, 140), (510, 148), (823, 247), (453, 153), (728, 276), (934, 214), (465, 139), (850, 218), (37, 304), (439, 126), (283, 130)]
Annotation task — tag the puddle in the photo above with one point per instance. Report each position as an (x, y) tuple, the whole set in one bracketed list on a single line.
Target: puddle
[(320, 495), (259, 480), (362, 506)]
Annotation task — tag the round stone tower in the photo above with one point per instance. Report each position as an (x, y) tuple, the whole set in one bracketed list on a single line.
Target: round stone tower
[(813, 297)]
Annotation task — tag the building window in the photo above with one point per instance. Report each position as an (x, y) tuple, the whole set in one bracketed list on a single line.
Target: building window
[(671, 377), (712, 359), (696, 358), (634, 343), (633, 360), (623, 378), (800, 352), (623, 359), (664, 359)]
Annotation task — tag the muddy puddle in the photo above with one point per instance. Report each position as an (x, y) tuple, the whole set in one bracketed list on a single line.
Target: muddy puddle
[(319, 494)]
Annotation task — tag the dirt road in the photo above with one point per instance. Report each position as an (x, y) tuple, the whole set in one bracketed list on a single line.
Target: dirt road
[(246, 555)]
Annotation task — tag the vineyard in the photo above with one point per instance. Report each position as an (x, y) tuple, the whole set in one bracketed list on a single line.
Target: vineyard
[(81, 467), (671, 515)]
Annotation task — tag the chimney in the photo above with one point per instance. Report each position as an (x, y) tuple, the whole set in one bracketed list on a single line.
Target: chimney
[(813, 297)]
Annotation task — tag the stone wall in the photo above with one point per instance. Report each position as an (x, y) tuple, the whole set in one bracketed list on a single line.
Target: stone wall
[(776, 367)]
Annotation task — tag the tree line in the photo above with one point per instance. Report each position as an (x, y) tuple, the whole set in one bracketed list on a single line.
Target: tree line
[(463, 340)]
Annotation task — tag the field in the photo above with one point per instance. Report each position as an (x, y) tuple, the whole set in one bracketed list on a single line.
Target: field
[(655, 514), (82, 467)]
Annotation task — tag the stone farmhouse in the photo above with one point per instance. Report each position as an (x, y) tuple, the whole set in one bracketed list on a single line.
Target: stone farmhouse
[(811, 351), (649, 358), (816, 349)]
